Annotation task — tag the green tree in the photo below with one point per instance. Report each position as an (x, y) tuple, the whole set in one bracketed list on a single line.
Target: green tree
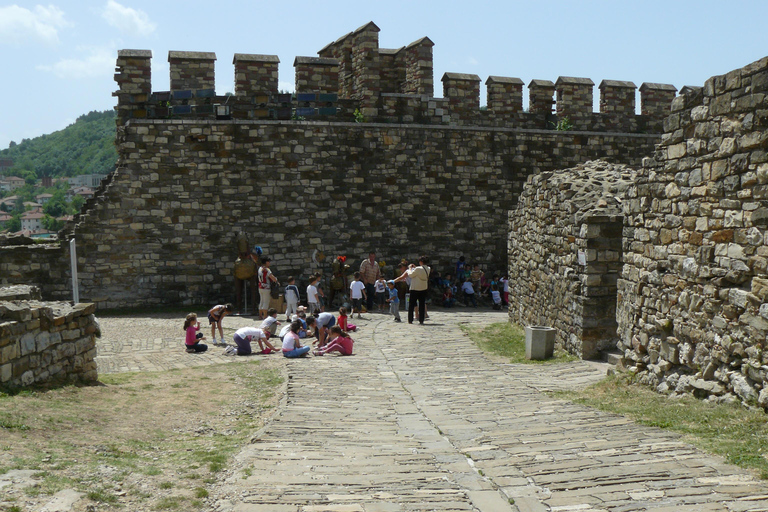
[(76, 204), (14, 224), (84, 147), (52, 224)]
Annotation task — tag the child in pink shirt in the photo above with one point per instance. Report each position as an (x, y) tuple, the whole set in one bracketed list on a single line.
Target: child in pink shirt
[(192, 328), (340, 342)]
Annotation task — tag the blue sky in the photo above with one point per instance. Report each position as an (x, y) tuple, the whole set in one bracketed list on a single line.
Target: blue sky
[(58, 57)]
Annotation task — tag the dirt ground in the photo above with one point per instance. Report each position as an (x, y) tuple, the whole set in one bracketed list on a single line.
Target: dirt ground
[(152, 440)]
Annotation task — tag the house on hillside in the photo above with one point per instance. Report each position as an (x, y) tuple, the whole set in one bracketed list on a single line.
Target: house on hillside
[(86, 192), (30, 205), (11, 183), (32, 221), (9, 203), (43, 198), (86, 180)]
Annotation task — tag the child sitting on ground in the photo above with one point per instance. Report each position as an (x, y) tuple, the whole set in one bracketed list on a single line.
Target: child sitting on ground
[(340, 342), (269, 325), (291, 344), (215, 315), (496, 296), (192, 341), (342, 321), (448, 300)]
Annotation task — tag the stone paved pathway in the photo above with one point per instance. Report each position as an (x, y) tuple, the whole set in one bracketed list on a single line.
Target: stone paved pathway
[(153, 343), (420, 420)]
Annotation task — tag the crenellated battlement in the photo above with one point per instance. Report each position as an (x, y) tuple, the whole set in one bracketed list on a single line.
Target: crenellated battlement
[(354, 75)]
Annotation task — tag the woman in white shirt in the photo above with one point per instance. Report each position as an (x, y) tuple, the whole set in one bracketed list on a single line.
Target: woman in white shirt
[(419, 276)]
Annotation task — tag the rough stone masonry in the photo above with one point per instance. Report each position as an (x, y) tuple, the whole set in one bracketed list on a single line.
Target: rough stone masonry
[(693, 298), (419, 174)]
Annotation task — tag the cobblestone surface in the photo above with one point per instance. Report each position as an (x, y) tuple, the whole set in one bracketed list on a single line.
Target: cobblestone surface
[(152, 343), (418, 419)]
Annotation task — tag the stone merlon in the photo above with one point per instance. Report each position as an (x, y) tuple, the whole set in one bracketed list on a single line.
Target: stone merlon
[(571, 80), (617, 83), (460, 76), (503, 80), (191, 55), (135, 54), (315, 61), (252, 57), (645, 86)]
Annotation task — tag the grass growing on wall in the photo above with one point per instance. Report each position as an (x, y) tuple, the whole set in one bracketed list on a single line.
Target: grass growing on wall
[(733, 431), (508, 340)]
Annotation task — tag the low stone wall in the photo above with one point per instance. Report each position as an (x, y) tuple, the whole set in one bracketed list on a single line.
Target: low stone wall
[(45, 266), (45, 342), (565, 254), (693, 308)]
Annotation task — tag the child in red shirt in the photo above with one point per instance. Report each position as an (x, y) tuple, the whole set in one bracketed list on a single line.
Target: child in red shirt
[(340, 342), (342, 322)]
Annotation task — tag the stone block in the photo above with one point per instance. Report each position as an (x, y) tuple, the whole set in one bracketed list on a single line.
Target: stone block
[(27, 343)]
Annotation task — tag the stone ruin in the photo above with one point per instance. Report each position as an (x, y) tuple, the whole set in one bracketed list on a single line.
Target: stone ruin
[(565, 254), (667, 263), (45, 342)]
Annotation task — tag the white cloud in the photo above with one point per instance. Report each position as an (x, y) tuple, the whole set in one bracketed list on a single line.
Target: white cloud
[(127, 20), (18, 24), (473, 61), (286, 86), (98, 62)]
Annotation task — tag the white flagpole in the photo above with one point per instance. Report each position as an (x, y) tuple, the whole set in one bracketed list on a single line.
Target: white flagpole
[(73, 265)]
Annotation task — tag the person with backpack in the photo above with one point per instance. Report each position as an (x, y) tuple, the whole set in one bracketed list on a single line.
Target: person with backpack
[(266, 281), (419, 276)]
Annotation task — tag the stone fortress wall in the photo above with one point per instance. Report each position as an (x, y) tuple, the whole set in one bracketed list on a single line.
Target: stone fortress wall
[(45, 342), (196, 169), (693, 298), (565, 254), (668, 262), (384, 86)]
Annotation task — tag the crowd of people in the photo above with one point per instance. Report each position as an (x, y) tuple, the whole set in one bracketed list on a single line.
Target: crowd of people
[(368, 292)]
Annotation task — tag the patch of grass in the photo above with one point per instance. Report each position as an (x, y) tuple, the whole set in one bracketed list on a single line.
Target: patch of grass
[(12, 422), (169, 503), (508, 340), (730, 430), (101, 496), (111, 426)]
